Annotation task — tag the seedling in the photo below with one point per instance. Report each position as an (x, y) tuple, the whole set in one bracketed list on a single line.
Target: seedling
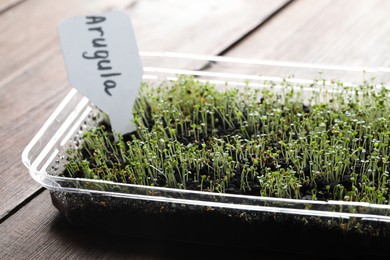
[(287, 144)]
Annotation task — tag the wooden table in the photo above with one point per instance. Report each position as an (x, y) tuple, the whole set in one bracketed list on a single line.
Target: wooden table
[(33, 81)]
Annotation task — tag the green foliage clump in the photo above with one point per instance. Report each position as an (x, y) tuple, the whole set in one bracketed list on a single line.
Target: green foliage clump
[(327, 143)]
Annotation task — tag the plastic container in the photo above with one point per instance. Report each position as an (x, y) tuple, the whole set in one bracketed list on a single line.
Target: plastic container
[(302, 226)]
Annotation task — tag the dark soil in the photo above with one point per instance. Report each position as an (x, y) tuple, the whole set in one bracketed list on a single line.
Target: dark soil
[(224, 226), (322, 186), (220, 226)]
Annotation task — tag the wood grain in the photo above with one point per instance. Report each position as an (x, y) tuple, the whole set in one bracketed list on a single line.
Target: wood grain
[(38, 231), (197, 26), (348, 32), (21, 118), (33, 80), (5, 5)]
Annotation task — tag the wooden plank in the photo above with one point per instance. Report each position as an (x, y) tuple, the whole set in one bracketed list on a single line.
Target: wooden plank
[(348, 32), (33, 81), (38, 231), (202, 26), (21, 118), (197, 26)]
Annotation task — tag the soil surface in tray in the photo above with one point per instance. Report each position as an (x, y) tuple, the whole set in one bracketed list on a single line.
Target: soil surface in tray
[(219, 226), (280, 141), (273, 142)]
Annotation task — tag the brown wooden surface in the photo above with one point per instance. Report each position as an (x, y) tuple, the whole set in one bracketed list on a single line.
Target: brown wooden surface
[(346, 32), (33, 81)]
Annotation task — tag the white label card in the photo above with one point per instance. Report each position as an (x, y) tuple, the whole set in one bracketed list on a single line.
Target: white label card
[(103, 63)]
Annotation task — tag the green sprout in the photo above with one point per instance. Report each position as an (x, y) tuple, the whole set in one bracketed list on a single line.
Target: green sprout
[(264, 142)]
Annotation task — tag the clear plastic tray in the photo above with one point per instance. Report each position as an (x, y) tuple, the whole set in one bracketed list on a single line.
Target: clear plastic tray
[(234, 220)]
